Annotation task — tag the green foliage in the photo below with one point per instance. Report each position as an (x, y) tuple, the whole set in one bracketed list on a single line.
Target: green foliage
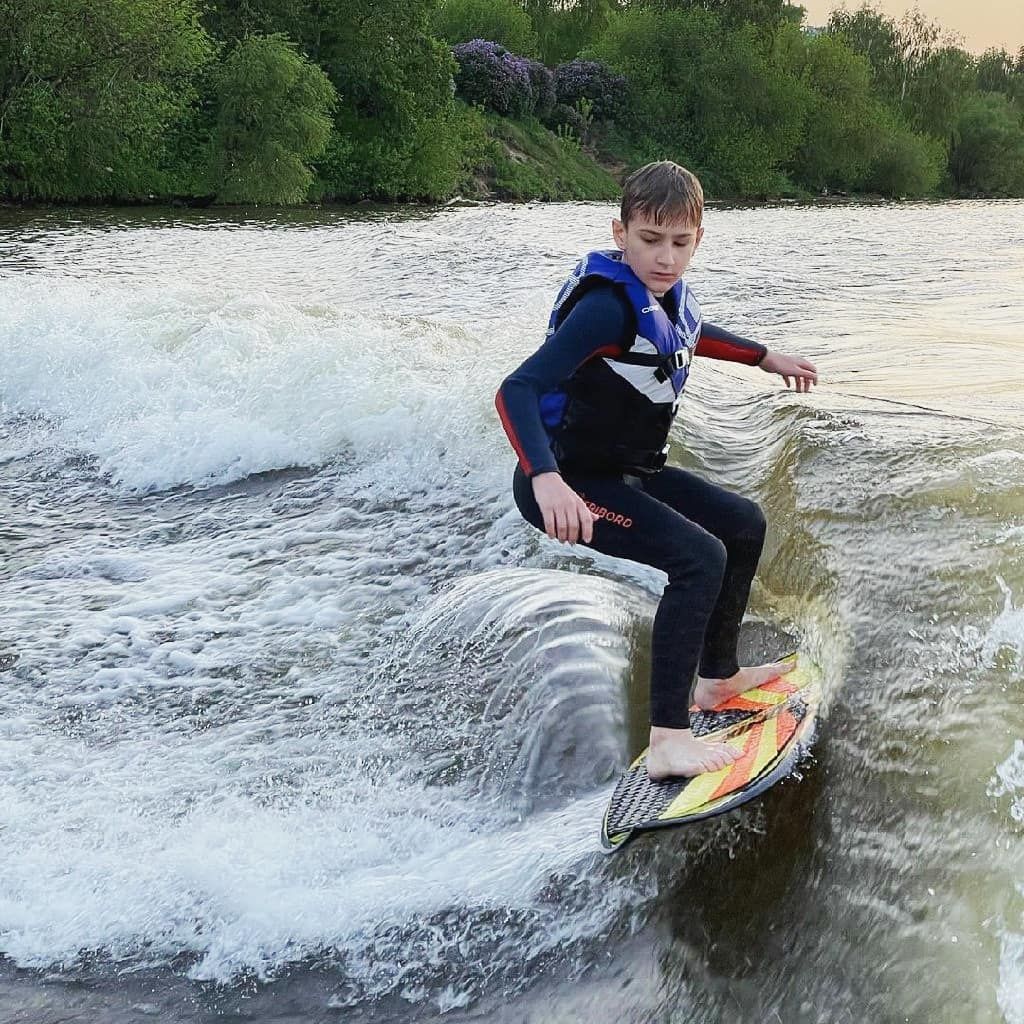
[(281, 100), (567, 30), (906, 165), (499, 21), (433, 161), (999, 71), (935, 94), (90, 89), (709, 96), (526, 161), (273, 115), (764, 13), (933, 86), (843, 129), (395, 82), (916, 68), (987, 156)]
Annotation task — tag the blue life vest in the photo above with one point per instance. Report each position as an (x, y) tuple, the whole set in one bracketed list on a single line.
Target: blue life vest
[(615, 411)]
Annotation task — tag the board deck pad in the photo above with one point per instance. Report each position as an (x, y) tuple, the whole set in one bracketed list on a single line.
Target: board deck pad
[(770, 727)]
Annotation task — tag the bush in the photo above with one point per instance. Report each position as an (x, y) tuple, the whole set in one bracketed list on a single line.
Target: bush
[(492, 77), (841, 131), (987, 155), (273, 115), (503, 21), (907, 164), (433, 160), (542, 85), (89, 91), (593, 81), (564, 116), (708, 96)]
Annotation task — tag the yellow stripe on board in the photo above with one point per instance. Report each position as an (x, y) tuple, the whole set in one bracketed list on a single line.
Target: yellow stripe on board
[(765, 696), (700, 789), (767, 748)]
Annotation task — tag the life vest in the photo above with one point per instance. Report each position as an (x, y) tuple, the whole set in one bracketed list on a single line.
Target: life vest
[(614, 413)]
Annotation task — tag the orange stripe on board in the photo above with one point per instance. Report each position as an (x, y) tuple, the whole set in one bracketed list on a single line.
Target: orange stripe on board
[(740, 773), (780, 684), (787, 726), (741, 703)]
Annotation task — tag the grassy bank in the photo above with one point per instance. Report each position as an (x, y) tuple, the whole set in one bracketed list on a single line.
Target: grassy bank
[(527, 161)]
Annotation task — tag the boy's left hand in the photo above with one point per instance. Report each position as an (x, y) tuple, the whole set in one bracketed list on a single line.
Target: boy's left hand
[(803, 371)]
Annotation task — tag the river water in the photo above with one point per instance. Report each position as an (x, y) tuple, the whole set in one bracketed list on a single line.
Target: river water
[(300, 722)]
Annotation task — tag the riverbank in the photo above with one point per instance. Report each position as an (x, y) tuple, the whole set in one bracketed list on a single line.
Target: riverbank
[(526, 161)]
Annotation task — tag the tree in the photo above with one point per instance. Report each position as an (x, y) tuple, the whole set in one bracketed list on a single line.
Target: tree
[(88, 91), (937, 91), (843, 129), (395, 80), (998, 71), (708, 96), (906, 164), (273, 115), (565, 30), (764, 13), (497, 21), (916, 67), (987, 156)]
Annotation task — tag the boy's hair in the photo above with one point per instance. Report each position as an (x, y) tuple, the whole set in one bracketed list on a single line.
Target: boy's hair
[(665, 192)]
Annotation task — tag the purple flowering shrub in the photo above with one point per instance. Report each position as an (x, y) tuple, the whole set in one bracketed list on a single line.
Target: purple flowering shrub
[(542, 85), (491, 76), (590, 80)]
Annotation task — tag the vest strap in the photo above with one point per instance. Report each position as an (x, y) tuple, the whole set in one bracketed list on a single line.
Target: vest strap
[(666, 365), (669, 364)]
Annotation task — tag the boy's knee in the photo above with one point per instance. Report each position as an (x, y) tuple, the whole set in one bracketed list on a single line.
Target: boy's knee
[(704, 556), (756, 524), (715, 558)]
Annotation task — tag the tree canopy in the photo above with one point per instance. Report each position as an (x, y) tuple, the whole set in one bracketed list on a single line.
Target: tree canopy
[(293, 100)]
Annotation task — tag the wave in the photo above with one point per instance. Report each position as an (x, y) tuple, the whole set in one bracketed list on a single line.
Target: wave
[(174, 386)]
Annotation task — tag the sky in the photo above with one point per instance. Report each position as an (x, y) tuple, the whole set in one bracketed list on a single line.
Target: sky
[(980, 23)]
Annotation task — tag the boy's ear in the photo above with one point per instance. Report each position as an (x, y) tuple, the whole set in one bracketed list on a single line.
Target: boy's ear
[(619, 232)]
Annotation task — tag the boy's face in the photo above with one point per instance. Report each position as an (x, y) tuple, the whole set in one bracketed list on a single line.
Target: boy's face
[(657, 253)]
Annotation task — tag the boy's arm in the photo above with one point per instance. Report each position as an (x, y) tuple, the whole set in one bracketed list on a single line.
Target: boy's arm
[(718, 343), (596, 326)]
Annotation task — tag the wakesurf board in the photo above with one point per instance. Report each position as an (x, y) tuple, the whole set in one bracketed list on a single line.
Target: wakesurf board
[(770, 726)]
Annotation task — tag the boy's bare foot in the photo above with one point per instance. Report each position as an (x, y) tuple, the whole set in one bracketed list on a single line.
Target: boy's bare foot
[(709, 693), (677, 752)]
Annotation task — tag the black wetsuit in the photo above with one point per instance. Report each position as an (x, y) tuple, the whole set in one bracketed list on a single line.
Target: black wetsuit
[(707, 539)]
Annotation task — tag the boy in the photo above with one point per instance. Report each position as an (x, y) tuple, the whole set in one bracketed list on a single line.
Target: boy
[(588, 415)]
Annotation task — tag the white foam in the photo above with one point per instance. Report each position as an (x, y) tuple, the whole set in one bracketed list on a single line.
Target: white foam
[(186, 385), (1011, 977), (1007, 631), (1009, 780), (210, 762), (247, 882)]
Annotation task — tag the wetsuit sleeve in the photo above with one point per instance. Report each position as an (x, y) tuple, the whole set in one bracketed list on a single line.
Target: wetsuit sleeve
[(597, 325), (718, 343)]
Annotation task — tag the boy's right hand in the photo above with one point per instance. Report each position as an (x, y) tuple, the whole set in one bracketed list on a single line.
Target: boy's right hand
[(566, 516)]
